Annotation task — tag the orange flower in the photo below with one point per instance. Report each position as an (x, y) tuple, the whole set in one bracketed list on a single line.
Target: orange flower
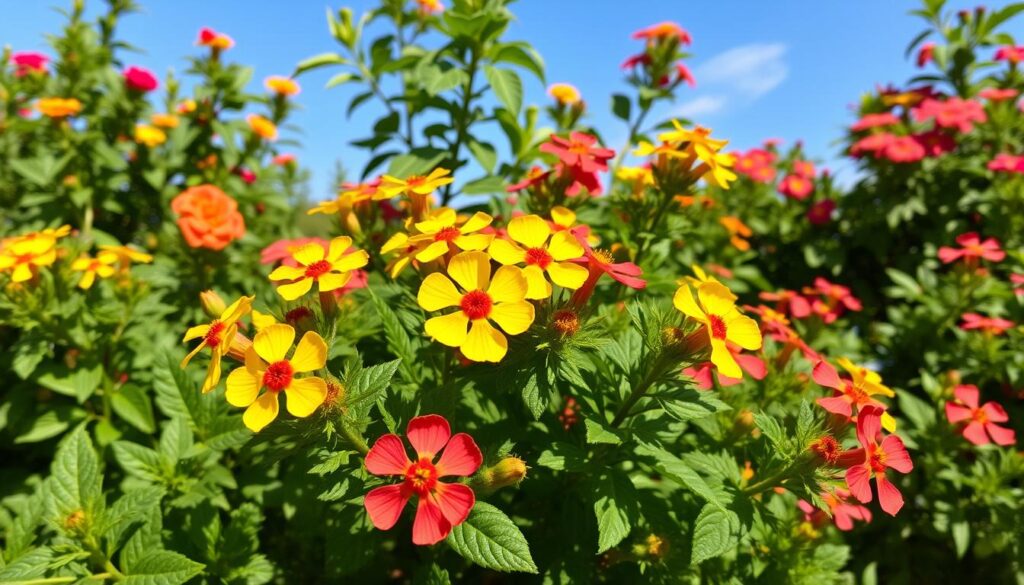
[(738, 232), (262, 127), (167, 121), (208, 218), (58, 107), (282, 86), (564, 93)]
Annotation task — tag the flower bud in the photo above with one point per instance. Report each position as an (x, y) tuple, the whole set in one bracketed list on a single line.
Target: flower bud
[(509, 471), (239, 345), (335, 393), (76, 522), (827, 449), (212, 304), (566, 322)]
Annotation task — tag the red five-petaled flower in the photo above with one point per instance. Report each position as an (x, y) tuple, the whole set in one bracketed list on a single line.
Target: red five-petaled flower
[(972, 247), (441, 505), (981, 419), (873, 459)]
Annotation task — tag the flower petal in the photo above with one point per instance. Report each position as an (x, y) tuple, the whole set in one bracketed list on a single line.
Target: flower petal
[(474, 241), (956, 412), (292, 291), (513, 318), (1001, 435), (460, 457), (471, 270), (242, 387), (428, 434), (387, 456), (337, 248), (529, 230), (311, 353), (975, 433), (889, 496), (744, 332), (995, 413), (506, 252), (384, 505), (287, 273), (836, 405), (196, 332), (430, 526), (479, 221), (456, 501), (333, 281), (537, 286), (683, 300), (450, 330), (716, 299), (437, 292), (484, 343), (723, 360), (304, 395), (858, 480), (508, 286), (212, 373), (562, 216), (564, 246), (307, 254), (272, 343), (432, 252), (826, 375), (262, 412), (567, 274), (896, 455)]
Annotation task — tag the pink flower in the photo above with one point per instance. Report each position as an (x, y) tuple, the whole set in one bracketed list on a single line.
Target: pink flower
[(868, 121), (664, 30), (951, 113), (876, 459), (284, 160), (1017, 279), (988, 325), (1007, 163), (440, 505), (843, 512), (788, 302), (140, 79), (796, 187), (247, 175), (903, 149), (638, 59), (926, 54), (534, 176), (935, 142), (972, 248), (820, 213), (803, 168), (996, 94), (1010, 53), (26, 62), (837, 297), (982, 419), (684, 74), (874, 144)]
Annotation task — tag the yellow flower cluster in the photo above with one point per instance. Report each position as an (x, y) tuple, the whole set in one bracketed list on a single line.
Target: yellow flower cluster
[(689, 147)]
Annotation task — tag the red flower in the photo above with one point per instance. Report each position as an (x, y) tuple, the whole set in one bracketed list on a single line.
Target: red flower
[(971, 249), (875, 144), (751, 364), (1017, 279), (952, 113), (877, 458), (534, 176), (903, 149), (982, 419), (837, 299), (988, 325), (796, 187), (775, 325), (788, 302), (1007, 163), (926, 54), (579, 152), (995, 94), (843, 512), (803, 168), (1010, 53), (683, 73), (868, 121), (139, 79), (284, 159), (27, 62), (935, 142), (821, 212), (599, 262), (664, 30), (638, 59), (856, 391), (440, 505)]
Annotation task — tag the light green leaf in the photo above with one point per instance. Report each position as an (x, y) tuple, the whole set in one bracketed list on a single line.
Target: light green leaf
[(484, 154), (317, 61), (162, 567), (507, 87), (490, 539), (613, 493), (75, 479), (601, 433), (132, 404), (712, 533)]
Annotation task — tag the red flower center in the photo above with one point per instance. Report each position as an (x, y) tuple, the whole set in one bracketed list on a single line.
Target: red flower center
[(978, 415), (447, 234), (278, 376), (855, 393), (718, 328), (876, 459), (318, 269), (476, 304), (421, 477), (538, 256), (415, 181), (578, 147), (212, 337)]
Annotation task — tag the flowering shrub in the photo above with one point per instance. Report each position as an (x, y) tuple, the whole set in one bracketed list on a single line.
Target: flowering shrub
[(661, 361)]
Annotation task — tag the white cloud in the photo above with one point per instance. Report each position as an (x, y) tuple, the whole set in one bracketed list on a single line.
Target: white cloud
[(752, 70), (700, 106)]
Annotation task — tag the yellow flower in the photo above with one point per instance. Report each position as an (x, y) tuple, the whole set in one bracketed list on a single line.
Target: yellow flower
[(699, 277), (564, 93), (542, 253), (262, 320), (126, 255), (644, 148), (330, 271), (698, 141), (167, 121), (282, 86), (262, 127), (406, 249), (718, 171), (151, 136), (24, 254), (717, 312), (267, 367), (58, 107), (101, 266), (346, 200), (865, 379), (479, 299), (218, 335), (444, 231), (564, 218), (638, 178), (414, 186)]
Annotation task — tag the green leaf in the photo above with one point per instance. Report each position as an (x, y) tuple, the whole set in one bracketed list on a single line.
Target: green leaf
[(484, 154), (399, 341), (713, 533), (621, 106), (28, 352), (673, 468), (520, 54), (773, 430), (484, 186), (144, 541), (138, 461), (162, 567), (75, 479), (317, 61), (129, 513), (692, 405), (600, 433), (961, 537), (563, 456), (176, 439), (490, 539), (133, 405), (613, 493), (917, 411), (339, 79), (370, 382), (507, 87)]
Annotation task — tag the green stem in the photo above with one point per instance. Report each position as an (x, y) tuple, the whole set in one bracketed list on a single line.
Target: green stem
[(356, 440), (55, 580), (640, 390), (463, 122), (633, 129)]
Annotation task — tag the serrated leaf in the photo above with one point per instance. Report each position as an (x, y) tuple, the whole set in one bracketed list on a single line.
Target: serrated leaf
[(772, 429), (614, 494), (712, 533), (692, 405), (138, 461), (675, 469), (75, 480), (507, 86), (490, 539), (600, 433), (563, 456), (162, 567), (369, 383)]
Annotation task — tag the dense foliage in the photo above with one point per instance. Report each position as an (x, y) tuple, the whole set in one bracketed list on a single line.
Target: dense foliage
[(664, 361)]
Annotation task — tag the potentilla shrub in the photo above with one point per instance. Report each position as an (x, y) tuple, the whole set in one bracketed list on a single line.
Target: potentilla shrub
[(548, 359)]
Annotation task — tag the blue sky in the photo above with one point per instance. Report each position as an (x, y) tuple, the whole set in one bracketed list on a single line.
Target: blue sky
[(788, 69)]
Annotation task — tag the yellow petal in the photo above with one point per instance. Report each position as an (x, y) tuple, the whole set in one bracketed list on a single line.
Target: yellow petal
[(82, 263), (235, 311), (513, 318), (437, 292), (506, 252), (716, 298), (196, 332), (562, 216), (273, 343), (474, 241), (308, 254), (21, 273), (212, 373), (479, 221), (529, 230), (305, 395), (261, 320), (333, 281), (564, 246), (484, 343), (567, 274), (471, 270), (508, 286), (744, 332), (356, 259), (262, 412), (537, 287), (338, 247), (432, 252), (290, 292), (311, 353), (683, 300), (192, 354), (449, 329), (242, 387), (287, 273), (888, 422), (395, 242), (723, 359)]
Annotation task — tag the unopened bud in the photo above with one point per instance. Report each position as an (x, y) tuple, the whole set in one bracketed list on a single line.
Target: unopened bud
[(75, 522), (509, 471), (335, 393), (212, 304), (747, 473), (827, 449), (239, 345), (566, 322)]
